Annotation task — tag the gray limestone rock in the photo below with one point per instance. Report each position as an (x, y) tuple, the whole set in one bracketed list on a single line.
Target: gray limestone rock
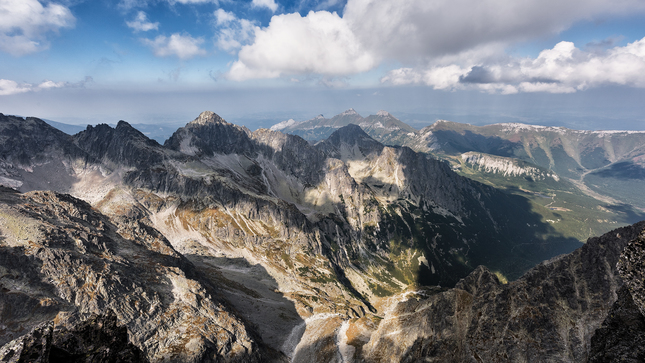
[(61, 259), (548, 315), (621, 337)]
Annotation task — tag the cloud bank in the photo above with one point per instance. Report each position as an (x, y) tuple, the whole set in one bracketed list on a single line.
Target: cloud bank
[(10, 87), (562, 69), (445, 44)]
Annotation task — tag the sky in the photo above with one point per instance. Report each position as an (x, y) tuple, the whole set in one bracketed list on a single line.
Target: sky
[(575, 63)]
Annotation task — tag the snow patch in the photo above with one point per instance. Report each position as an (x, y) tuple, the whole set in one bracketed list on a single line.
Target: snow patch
[(284, 124)]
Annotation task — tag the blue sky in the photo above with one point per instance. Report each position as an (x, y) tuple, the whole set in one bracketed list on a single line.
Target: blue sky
[(577, 63)]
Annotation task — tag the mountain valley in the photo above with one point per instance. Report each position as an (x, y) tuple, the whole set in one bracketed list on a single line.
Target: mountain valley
[(593, 174), (225, 244)]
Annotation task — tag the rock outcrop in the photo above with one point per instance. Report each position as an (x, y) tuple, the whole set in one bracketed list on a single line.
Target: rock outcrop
[(62, 260), (97, 339), (548, 315), (621, 337)]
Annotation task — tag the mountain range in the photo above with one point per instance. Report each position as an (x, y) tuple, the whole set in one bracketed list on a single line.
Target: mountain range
[(224, 244), (592, 176)]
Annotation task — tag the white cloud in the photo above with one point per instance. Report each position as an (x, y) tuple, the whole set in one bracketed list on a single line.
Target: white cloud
[(439, 77), (320, 43), (51, 84), (235, 36), (562, 69), (223, 17), (238, 32), (182, 46), (234, 32), (412, 32), (9, 87), (421, 28), (269, 4), (25, 25), (141, 23)]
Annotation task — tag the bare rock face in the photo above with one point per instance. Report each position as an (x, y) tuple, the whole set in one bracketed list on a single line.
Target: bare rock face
[(621, 337), (97, 339), (62, 260), (32, 347), (123, 145), (632, 270), (25, 141), (548, 315)]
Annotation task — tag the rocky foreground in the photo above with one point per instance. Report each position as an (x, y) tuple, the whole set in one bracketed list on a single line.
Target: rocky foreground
[(67, 268), (62, 261)]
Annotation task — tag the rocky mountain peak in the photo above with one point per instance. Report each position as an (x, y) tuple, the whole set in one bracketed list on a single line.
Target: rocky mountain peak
[(481, 279), (122, 124), (125, 130), (439, 123), (209, 134), (24, 139), (123, 144), (348, 134), (351, 111), (383, 113), (207, 117)]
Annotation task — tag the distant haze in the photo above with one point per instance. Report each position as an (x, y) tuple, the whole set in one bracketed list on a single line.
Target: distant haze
[(596, 109)]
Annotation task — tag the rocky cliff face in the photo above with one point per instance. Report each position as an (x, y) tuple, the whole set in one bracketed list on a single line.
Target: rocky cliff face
[(34, 155), (621, 337), (507, 167), (97, 339), (62, 260), (548, 315)]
